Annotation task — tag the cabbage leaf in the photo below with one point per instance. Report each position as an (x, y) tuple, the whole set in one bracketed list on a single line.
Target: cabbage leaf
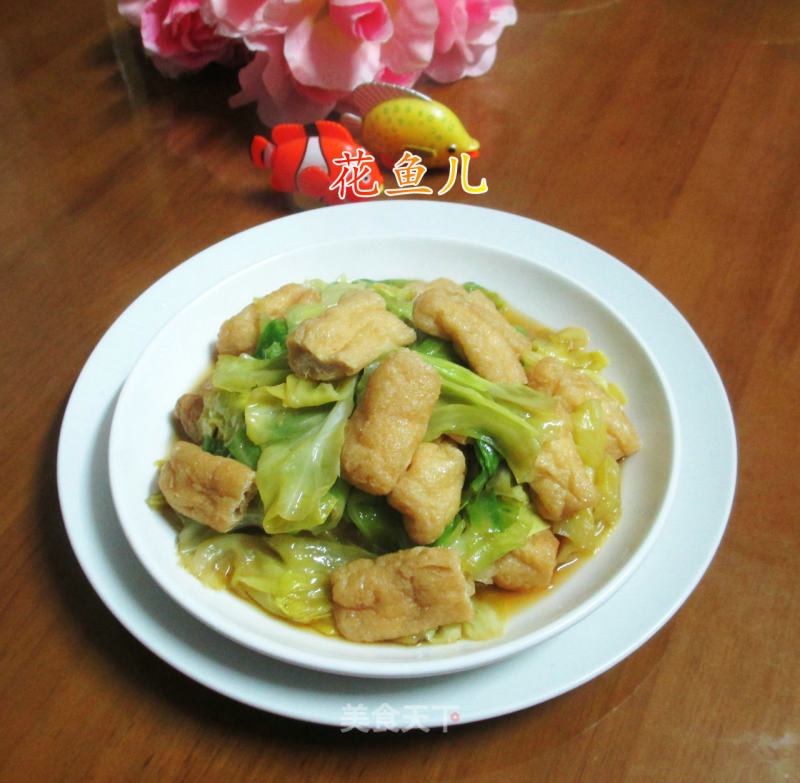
[(496, 520), (243, 373), (223, 414), (380, 526), (285, 574), (513, 418), (272, 340), (296, 392), (329, 293), (299, 462)]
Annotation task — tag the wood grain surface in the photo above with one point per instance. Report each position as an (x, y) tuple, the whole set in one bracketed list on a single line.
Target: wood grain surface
[(666, 132)]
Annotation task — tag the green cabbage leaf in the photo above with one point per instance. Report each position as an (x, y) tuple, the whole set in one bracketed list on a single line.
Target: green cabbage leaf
[(272, 341), (329, 295), (243, 373), (495, 520), (296, 392), (285, 574), (513, 418), (380, 527), (299, 462)]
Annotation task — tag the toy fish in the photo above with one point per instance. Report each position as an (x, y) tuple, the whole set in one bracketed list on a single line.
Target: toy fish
[(302, 160), (390, 119)]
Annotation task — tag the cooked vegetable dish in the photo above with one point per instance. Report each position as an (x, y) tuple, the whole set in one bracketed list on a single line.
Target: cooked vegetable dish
[(376, 459)]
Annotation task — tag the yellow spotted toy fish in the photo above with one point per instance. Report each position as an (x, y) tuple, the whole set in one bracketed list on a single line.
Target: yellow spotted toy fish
[(390, 120)]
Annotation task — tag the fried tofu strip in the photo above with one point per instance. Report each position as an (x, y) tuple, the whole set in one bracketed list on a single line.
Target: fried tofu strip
[(562, 484), (214, 491), (425, 316), (443, 312), (240, 333), (481, 303), (389, 422), (529, 567), (428, 494), (346, 338), (188, 410), (572, 387), (400, 594)]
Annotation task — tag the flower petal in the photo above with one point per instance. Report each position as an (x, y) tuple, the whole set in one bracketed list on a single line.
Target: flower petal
[(367, 21), (411, 47), (266, 80), (319, 54)]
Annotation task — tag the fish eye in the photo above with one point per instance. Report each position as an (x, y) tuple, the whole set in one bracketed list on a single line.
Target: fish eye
[(452, 148)]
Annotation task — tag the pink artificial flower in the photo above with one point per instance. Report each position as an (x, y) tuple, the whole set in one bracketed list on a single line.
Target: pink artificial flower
[(406, 54), (466, 38), (307, 55), (267, 81), (317, 51), (365, 21), (177, 36), (388, 76), (237, 18), (320, 52), (132, 10)]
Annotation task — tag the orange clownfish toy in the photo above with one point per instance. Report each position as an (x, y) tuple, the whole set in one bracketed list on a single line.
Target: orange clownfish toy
[(318, 164)]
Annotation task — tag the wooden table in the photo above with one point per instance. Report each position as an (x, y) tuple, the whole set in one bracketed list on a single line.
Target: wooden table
[(666, 132)]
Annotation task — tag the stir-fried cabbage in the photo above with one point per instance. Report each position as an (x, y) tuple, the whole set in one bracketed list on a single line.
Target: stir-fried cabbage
[(288, 575), (305, 520), (379, 527), (514, 418), (496, 518), (295, 474)]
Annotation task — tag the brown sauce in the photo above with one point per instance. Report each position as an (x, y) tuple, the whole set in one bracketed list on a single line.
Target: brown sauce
[(507, 603)]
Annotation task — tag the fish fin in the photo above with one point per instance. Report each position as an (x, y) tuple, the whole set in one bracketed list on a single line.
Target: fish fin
[(288, 132), (334, 130), (313, 182), (368, 95), (261, 151)]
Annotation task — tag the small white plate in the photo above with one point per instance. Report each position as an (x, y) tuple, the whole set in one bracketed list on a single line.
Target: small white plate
[(141, 433), (677, 561)]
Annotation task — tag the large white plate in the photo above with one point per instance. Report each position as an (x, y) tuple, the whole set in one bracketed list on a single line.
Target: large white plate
[(638, 609)]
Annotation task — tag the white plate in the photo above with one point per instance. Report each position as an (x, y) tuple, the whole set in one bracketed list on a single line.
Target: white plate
[(141, 433), (679, 557)]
